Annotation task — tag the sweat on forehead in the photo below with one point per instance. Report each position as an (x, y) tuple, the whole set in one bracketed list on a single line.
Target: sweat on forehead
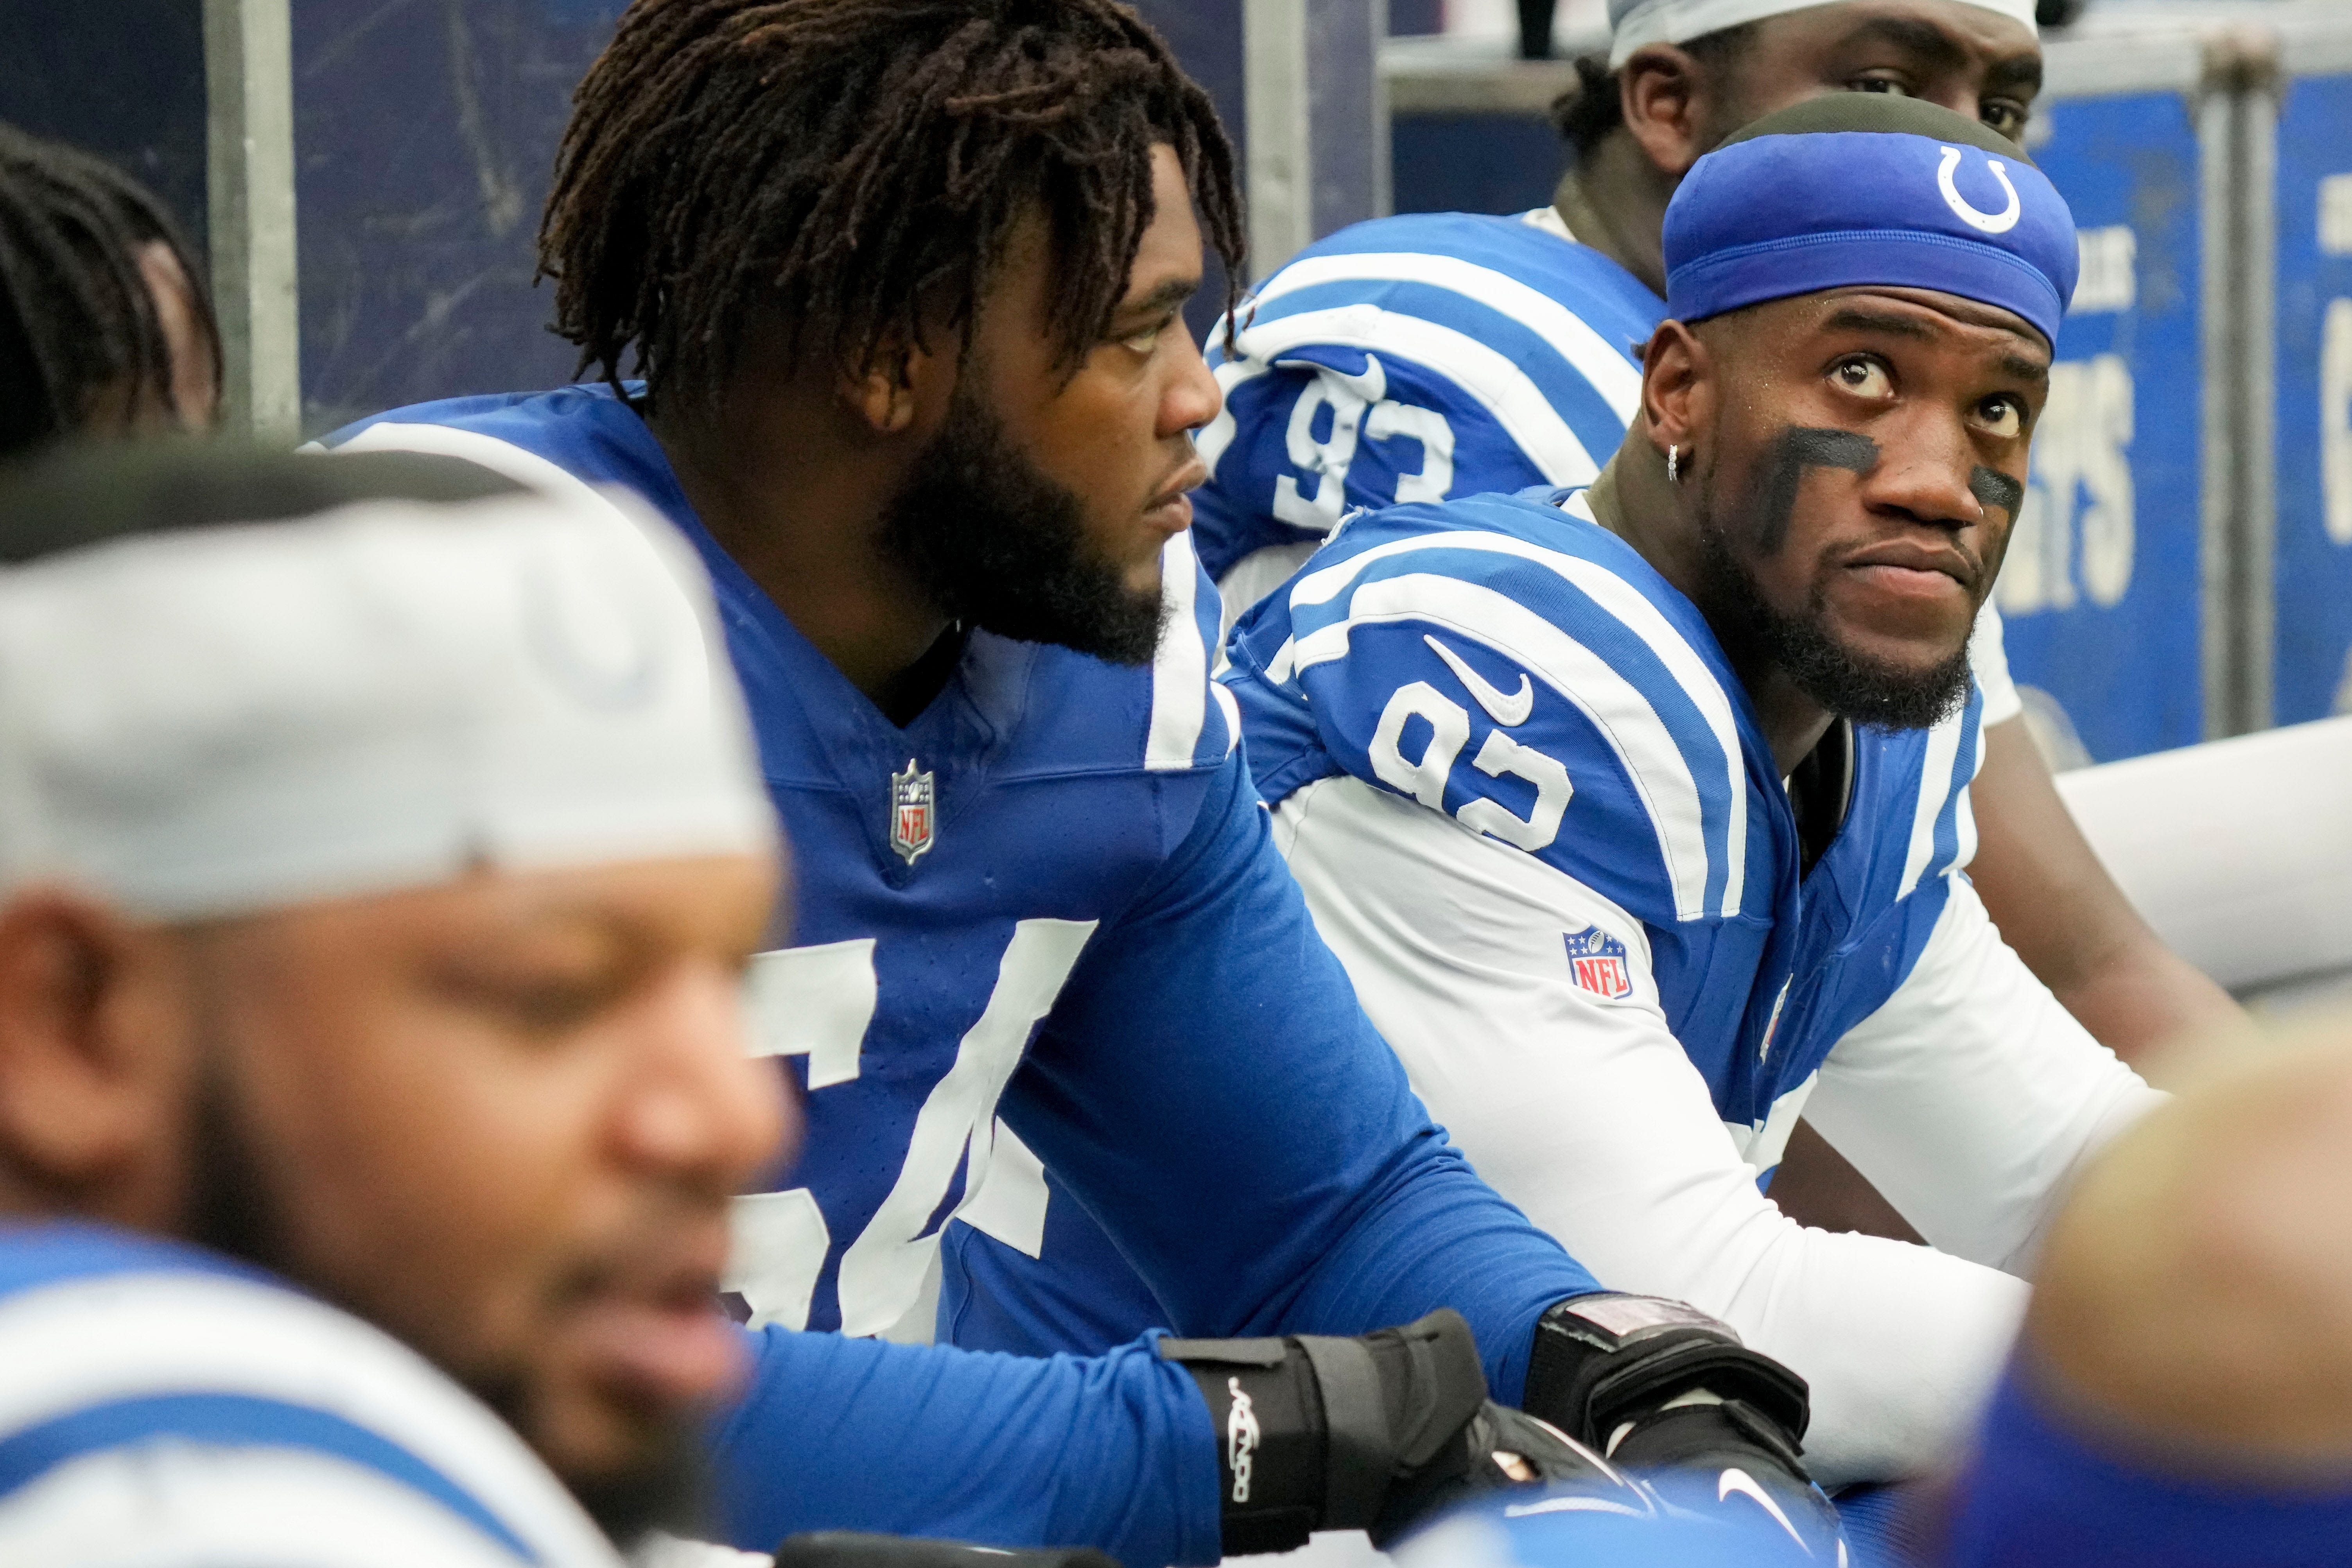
[(1859, 190), (1633, 22)]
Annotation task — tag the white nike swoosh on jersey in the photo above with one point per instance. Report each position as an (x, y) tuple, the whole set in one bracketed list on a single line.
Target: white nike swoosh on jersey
[(1507, 712), (1740, 1481)]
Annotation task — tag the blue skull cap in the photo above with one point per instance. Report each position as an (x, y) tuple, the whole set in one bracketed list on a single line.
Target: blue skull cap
[(1855, 190)]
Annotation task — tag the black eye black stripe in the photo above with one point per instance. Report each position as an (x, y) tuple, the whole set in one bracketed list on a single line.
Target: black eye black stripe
[(1994, 487), (1800, 447)]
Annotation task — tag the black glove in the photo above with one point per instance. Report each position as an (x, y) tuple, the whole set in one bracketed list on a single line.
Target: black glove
[(1654, 1385), (850, 1549), (1368, 1434)]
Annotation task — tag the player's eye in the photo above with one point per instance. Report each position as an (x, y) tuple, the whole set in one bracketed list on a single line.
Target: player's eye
[(2001, 416), (1891, 86), (2003, 116), (553, 1006), (1864, 377), (540, 997), (1144, 342)]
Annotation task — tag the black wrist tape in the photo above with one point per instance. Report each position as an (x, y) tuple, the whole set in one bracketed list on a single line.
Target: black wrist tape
[(1271, 1453), (1317, 1433)]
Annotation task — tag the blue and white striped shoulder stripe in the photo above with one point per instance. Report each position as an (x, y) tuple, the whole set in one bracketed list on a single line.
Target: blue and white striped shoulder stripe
[(1183, 695), (1943, 826), (177, 1417), (1623, 664), (1538, 369)]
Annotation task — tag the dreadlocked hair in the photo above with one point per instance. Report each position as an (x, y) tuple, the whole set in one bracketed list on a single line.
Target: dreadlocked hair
[(77, 319), (845, 168)]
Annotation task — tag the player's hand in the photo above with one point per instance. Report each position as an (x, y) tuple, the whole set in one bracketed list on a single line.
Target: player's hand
[(1503, 1448), (1373, 1433), (1727, 1458), (1662, 1389)]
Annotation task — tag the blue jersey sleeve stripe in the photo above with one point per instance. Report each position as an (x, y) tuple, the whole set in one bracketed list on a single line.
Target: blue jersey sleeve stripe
[(1509, 396), (1218, 436), (1935, 770), (1181, 735), (236, 1421), (1933, 843), (1590, 404), (1955, 784), (1612, 300), (1581, 405), (1649, 665), (83, 1343), (1682, 792), (1529, 312), (43, 1254), (1971, 763)]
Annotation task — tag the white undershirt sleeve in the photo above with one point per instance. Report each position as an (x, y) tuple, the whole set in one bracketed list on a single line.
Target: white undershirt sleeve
[(1255, 575), (1988, 661), (1588, 1115), (1972, 1097)]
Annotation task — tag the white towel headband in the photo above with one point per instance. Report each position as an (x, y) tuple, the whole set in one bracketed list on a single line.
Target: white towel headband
[(1633, 22)]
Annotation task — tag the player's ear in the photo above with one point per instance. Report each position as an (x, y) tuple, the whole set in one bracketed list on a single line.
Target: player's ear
[(1677, 387), (1665, 95), (89, 1084), (886, 391)]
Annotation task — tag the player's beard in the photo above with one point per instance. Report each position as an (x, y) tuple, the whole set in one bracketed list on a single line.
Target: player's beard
[(234, 1208), (1849, 683), (998, 544)]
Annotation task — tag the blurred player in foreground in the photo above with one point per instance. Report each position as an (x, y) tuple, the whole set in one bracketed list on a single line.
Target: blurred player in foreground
[(1636, 811), (903, 278), (2181, 1397), (105, 328), (2182, 1392), (1447, 354), (378, 860)]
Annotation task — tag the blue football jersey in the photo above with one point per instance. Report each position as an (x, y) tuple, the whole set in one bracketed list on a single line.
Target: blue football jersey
[(1512, 663), (161, 1405), (1408, 358), (1413, 359), (1043, 928)]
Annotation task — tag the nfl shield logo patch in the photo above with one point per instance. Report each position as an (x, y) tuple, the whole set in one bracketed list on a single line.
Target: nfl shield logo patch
[(914, 805), (1596, 961)]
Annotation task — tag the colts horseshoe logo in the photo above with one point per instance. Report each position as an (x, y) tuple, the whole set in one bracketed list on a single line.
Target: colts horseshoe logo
[(2001, 221)]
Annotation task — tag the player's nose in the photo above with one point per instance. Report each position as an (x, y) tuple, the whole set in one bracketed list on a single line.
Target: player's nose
[(1925, 477), (1193, 397), (699, 1108)]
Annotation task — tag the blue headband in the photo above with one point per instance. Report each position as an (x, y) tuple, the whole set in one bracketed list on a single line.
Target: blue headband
[(1779, 214)]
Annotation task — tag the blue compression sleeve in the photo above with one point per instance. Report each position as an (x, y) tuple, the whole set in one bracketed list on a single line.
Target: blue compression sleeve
[(1114, 1451), (1210, 1090), (2040, 1493)]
